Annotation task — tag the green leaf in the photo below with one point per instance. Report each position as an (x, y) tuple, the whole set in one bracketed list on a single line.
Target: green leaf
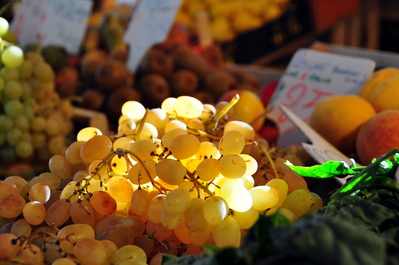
[(210, 248), (328, 169)]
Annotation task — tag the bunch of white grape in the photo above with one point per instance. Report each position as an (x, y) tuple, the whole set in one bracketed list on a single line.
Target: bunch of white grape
[(34, 122), (169, 181)]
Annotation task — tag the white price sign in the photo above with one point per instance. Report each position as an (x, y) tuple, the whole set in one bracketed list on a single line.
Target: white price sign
[(310, 77)]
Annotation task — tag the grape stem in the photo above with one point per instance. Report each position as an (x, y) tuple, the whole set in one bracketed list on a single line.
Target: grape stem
[(197, 183), (269, 158), (223, 111)]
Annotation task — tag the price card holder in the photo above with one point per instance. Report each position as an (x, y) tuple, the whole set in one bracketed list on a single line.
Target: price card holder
[(25, 22), (310, 77), (64, 23), (149, 25)]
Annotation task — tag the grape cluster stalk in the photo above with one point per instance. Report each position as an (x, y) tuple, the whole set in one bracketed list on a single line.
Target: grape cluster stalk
[(170, 180)]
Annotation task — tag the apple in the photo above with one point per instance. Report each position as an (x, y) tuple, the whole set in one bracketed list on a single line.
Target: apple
[(266, 92), (249, 107), (270, 132), (378, 136)]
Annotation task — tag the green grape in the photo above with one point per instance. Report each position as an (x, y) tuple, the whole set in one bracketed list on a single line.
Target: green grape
[(13, 90), (38, 123), (21, 122), (6, 123), (28, 112), (13, 136), (25, 70), (12, 56), (2, 83), (24, 149), (13, 108), (9, 74), (43, 71), (4, 26), (26, 89)]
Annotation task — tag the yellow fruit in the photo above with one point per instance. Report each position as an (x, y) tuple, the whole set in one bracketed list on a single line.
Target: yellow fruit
[(245, 21), (221, 30), (384, 95), (338, 119), (375, 78)]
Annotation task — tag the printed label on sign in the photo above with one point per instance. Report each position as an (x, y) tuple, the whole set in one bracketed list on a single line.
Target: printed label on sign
[(310, 77), (149, 25), (25, 23), (64, 22)]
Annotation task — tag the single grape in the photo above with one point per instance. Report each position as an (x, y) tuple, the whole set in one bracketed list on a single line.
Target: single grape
[(12, 56), (4, 26)]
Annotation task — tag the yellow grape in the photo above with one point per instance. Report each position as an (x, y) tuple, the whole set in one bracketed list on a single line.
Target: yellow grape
[(122, 142), (58, 213), (106, 222), (155, 208), (207, 150), (232, 142), (193, 190), (264, 197), (96, 148), (120, 188), (39, 192), (83, 213), (317, 202), (139, 176), (299, 202), (134, 223), (8, 250), (194, 215), (215, 210), (31, 254), (34, 212), (148, 132), (72, 153), (171, 220), (87, 133), (126, 126), (229, 192), (202, 237), (171, 171), (98, 169), (248, 182), (70, 191), (232, 166), (103, 202), (188, 107), (119, 165), (159, 231), (12, 205), (129, 254), (175, 124), (246, 219), (19, 182), (294, 181), (89, 251), (208, 169), (177, 201), (158, 117), (227, 233), (284, 211), (184, 146), (74, 233), (170, 135), (282, 188), (194, 126), (56, 181), (146, 243), (139, 201), (243, 127), (182, 232), (7, 188), (63, 261), (134, 109), (143, 148), (60, 166), (119, 234), (110, 248), (40, 179), (252, 164), (21, 228)]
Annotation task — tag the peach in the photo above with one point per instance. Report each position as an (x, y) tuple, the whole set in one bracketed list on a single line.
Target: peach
[(378, 136)]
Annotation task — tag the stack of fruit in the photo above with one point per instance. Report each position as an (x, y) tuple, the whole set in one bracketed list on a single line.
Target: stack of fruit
[(170, 180), (228, 18), (34, 121), (364, 125)]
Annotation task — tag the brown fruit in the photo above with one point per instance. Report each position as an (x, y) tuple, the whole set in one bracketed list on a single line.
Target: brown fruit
[(68, 88), (111, 75), (219, 82), (213, 55), (88, 69), (185, 57), (204, 96), (183, 82), (378, 136), (156, 61), (154, 89), (92, 99), (119, 53), (117, 98)]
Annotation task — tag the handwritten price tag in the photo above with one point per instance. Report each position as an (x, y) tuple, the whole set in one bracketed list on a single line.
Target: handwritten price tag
[(64, 23), (149, 25), (25, 23), (310, 77)]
